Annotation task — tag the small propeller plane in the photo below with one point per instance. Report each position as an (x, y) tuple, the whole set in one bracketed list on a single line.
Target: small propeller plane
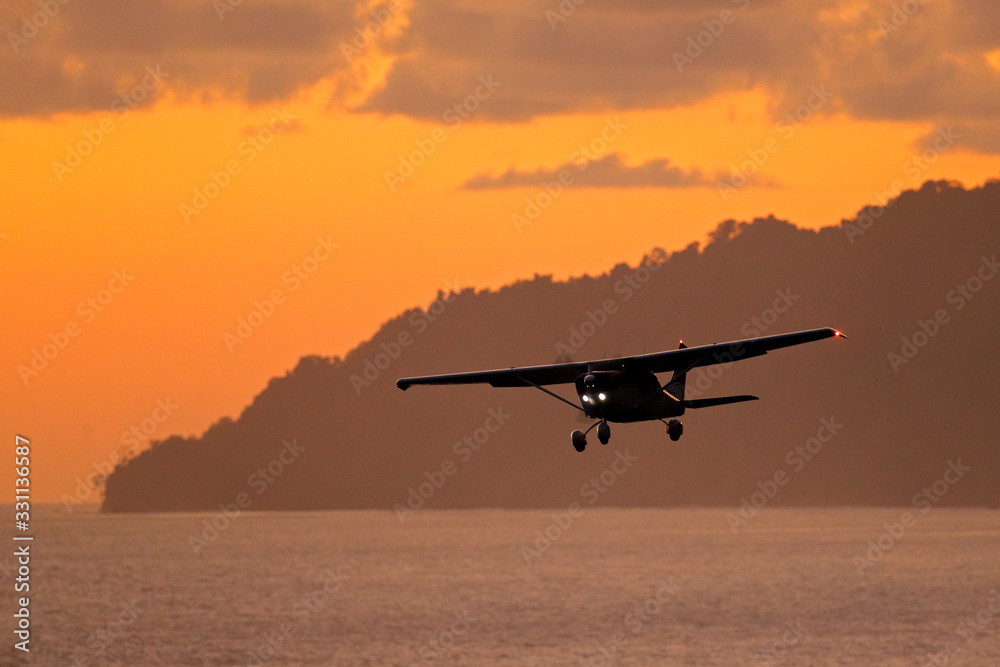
[(626, 389)]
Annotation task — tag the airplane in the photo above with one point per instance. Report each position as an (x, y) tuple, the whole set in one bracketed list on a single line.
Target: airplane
[(626, 389)]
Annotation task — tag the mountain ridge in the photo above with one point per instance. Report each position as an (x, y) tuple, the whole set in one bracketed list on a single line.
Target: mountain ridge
[(879, 277)]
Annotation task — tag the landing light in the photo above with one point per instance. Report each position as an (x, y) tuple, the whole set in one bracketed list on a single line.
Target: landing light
[(601, 396), (586, 398)]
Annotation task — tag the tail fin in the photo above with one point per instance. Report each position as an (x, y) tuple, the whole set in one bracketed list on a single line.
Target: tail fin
[(676, 385)]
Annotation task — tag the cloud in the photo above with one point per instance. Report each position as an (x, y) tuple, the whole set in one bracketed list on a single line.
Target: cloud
[(83, 57), (609, 171), (883, 59), (977, 137), (929, 65), (597, 60)]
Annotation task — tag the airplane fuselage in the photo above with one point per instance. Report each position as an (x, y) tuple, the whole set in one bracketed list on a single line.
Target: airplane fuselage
[(626, 396)]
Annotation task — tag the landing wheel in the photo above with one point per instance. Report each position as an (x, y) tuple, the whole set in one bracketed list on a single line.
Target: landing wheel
[(579, 440), (604, 433), (675, 429)]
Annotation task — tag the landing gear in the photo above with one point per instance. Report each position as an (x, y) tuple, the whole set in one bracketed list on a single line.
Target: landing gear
[(675, 429), (580, 437)]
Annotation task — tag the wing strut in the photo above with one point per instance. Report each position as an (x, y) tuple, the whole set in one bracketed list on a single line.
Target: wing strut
[(550, 393)]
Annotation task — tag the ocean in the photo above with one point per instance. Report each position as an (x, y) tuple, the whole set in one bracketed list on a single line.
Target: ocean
[(591, 587)]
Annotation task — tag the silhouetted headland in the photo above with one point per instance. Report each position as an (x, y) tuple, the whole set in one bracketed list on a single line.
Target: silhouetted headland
[(876, 420)]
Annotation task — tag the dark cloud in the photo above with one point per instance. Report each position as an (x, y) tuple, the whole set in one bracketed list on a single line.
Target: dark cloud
[(595, 60), (976, 24), (881, 63), (609, 171), (925, 62), (86, 55), (976, 137)]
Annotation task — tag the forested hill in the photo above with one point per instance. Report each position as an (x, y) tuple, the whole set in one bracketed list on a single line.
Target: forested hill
[(877, 419)]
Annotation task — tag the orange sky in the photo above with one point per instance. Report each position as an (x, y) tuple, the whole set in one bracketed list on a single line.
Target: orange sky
[(161, 337)]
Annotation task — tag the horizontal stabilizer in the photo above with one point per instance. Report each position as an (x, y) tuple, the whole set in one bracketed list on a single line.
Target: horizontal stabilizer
[(721, 400)]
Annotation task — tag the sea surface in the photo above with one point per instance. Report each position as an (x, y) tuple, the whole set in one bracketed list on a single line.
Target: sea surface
[(495, 587)]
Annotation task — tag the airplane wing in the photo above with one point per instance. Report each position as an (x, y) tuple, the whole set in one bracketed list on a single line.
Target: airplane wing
[(657, 362), (506, 377), (722, 353)]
